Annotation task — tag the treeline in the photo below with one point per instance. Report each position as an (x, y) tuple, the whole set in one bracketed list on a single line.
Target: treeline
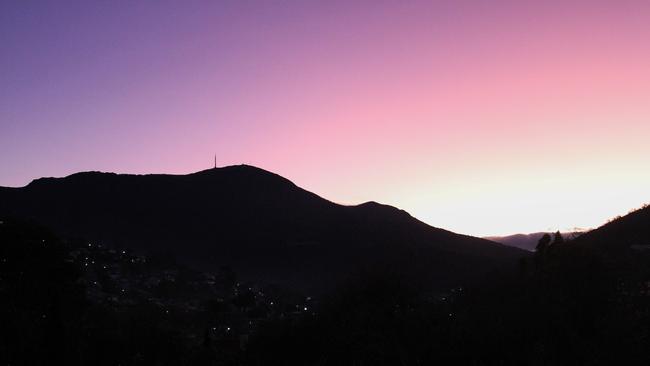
[(568, 304)]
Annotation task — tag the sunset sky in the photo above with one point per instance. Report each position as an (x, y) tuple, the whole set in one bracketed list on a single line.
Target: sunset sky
[(481, 117)]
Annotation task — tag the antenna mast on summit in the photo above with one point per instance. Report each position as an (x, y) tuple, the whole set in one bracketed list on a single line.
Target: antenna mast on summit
[(215, 161)]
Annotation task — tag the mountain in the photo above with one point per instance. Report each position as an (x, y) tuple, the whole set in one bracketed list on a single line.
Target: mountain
[(526, 241), (631, 231), (521, 241), (259, 223)]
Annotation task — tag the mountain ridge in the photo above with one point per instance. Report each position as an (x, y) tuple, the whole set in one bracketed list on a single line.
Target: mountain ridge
[(621, 233), (259, 222)]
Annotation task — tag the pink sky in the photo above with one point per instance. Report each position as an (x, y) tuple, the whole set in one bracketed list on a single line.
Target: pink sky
[(482, 117)]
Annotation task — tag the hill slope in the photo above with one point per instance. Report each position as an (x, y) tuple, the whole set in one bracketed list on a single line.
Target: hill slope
[(253, 220), (630, 231)]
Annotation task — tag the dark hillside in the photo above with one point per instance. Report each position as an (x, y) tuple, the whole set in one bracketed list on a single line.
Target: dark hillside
[(259, 223)]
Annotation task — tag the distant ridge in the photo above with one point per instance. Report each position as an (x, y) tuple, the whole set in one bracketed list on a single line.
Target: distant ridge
[(526, 241), (256, 221)]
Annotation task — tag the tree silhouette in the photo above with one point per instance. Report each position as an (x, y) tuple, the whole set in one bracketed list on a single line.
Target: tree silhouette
[(541, 249), (543, 244)]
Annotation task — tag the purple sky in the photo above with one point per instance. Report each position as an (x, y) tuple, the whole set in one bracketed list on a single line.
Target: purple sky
[(483, 117)]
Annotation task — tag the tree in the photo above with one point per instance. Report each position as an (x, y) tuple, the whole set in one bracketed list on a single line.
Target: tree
[(543, 244), (541, 249)]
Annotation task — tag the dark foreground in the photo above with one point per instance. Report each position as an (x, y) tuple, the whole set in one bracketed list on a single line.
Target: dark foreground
[(77, 303)]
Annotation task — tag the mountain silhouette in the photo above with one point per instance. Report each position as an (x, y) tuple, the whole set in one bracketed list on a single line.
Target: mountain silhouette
[(526, 241), (631, 231), (522, 241), (259, 223)]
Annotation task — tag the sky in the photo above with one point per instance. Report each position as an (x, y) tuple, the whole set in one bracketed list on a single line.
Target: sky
[(481, 117)]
